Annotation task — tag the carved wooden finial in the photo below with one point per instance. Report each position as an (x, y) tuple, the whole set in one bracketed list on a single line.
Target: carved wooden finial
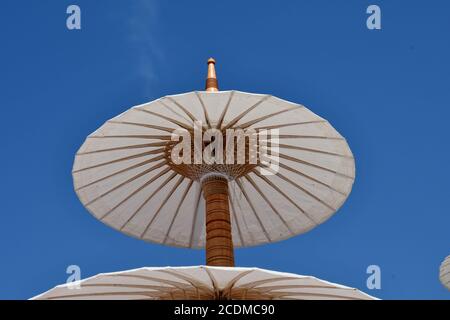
[(211, 79)]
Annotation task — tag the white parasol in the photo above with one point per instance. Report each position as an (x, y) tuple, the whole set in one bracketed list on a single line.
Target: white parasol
[(444, 272), (124, 176), (202, 283)]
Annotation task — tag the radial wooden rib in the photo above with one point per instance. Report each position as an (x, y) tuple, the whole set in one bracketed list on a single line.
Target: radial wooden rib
[(253, 284), (168, 179), (214, 283), (195, 283), (224, 111), (190, 115), (137, 165), (234, 216), (132, 194), (177, 210), (303, 175), (143, 154), (126, 182), (229, 287), (174, 121), (275, 187), (311, 178), (134, 136), (304, 136), (304, 190), (275, 210), (241, 115), (287, 146), (294, 286), (252, 122), (277, 126), (195, 216), (238, 182), (144, 125), (205, 111), (171, 192), (298, 160), (176, 284), (135, 146)]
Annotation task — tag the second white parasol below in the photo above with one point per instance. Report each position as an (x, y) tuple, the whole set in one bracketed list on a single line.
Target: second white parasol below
[(202, 283)]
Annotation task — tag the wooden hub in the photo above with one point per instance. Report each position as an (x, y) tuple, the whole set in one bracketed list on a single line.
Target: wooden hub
[(195, 171)]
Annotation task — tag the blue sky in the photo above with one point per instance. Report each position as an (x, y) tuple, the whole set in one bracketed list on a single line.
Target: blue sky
[(387, 91)]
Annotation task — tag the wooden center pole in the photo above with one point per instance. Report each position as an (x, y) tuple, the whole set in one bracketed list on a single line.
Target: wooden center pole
[(219, 242)]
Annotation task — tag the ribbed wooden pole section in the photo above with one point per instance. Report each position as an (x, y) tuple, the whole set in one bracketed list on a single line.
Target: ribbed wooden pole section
[(219, 243)]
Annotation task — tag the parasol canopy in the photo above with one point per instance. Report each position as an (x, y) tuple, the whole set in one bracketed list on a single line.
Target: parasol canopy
[(444, 272), (202, 283), (125, 176)]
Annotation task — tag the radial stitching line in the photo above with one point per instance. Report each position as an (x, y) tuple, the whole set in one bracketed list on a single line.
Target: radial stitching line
[(146, 153), (302, 189), (135, 192), (162, 289), (282, 294), (170, 119), (168, 179), (144, 125), (299, 136), (125, 182), (213, 281), (188, 187), (234, 214), (311, 178), (287, 146), (195, 217), (121, 171), (134, 136), (234, 196), (305, 191), (240, 116), (224, 111), (289, 124), (205, 111), (135, 146), (177, 184), (302, 211), (284, 156), (269, 203), (252, 122), (295, 286), (233, 281), (176, 284), (174, 121), (253, 209), (181, 107), (253, 284), (193, 282)]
